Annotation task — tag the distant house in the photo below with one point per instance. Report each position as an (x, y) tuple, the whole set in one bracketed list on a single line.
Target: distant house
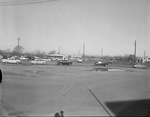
[(148, 59), (14, 57), (24, 58), (75, 57)]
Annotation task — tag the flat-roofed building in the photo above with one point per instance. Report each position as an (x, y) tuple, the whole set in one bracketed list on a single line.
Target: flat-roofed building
[(56, 57)]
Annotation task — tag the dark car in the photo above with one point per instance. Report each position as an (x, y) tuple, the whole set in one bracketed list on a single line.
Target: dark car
[(99, 63), (64, 62)]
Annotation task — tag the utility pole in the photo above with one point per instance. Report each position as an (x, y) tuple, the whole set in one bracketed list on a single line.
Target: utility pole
[(83, 52), (101, 53), (135, 51), (144, 57), (18, 45), (79, 53), (59, 50)]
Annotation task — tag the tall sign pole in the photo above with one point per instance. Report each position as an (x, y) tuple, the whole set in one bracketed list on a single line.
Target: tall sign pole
[(83, 52), (59, 50), (144, 57), (135, 51), (18, 46)]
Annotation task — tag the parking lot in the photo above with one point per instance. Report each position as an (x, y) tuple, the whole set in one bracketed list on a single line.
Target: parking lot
[(43, 90)]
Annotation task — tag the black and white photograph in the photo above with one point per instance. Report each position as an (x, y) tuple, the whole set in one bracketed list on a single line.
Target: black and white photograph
[(74, 58)]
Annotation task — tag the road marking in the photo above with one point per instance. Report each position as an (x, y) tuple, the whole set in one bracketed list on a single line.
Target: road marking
[(100, 102)]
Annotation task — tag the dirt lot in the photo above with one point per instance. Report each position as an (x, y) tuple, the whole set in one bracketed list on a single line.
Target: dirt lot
[(77, 90)]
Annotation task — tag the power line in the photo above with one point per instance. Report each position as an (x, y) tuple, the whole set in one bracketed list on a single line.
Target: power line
[(24, 2)]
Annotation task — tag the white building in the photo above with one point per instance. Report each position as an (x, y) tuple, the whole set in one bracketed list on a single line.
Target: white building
[(56, 57), (147, 59)]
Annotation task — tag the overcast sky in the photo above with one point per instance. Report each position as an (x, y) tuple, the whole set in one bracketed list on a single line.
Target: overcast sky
[(113, 25)]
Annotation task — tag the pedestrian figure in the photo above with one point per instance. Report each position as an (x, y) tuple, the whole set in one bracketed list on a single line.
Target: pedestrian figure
[(0, 93), (61, 113), (0, 76), (57, 115)]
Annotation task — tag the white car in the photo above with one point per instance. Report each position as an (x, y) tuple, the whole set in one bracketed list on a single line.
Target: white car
[(38, 61), (139, 66), (24, 58), (9, 60), (79, 60)]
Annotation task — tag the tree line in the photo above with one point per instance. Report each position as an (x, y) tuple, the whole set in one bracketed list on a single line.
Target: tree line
[(19, 51)]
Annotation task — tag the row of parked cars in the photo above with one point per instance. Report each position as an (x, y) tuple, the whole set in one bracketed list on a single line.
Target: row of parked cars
[(36, 61), (18, 61), (63, 62), (135, 65)]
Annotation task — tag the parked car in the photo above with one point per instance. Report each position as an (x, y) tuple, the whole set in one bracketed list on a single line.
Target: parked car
[(38, 61), (139, 66), (64, 62), (24, 58), (79, 60), (100, 63), (10, 60)]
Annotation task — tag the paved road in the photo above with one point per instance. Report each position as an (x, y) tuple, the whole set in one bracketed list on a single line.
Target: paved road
[(44, 90)]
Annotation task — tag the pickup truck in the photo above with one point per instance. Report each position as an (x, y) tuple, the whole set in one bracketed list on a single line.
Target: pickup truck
[(9, 60), (64, 62)]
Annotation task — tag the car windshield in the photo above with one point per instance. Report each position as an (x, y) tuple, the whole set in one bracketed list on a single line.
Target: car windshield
[(63, 58)]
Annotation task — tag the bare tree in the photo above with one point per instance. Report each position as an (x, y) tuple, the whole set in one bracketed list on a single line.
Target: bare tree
[(18, 49), (52, 52)]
